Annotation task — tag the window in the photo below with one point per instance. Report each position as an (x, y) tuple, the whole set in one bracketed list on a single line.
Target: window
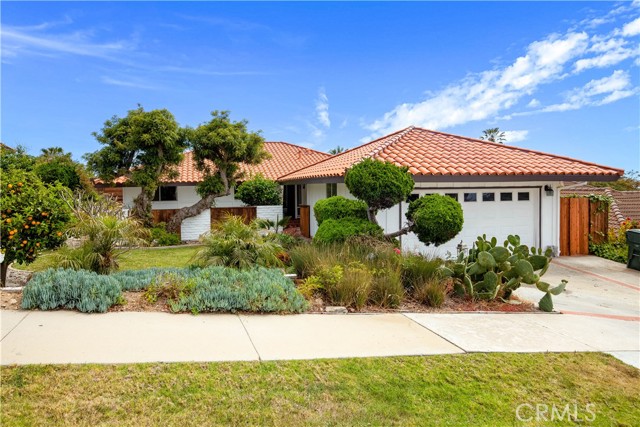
[(413, 197), (506, 197), (454, 196), (166, 194), (469, 197), (488, 197), (523, 196), (332, 190)]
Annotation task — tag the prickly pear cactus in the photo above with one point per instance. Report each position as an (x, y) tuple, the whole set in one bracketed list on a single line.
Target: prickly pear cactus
[(492, 271)]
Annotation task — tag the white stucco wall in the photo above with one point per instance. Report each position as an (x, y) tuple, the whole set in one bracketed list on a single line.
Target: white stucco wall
[(271, 213), (193, 227), (542, 221)]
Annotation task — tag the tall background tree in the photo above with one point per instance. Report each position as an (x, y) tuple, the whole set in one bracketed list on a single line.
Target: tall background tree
[(144, 147), (220, 147), (493, 135), (630, 181), (336, 150), (54, 165)]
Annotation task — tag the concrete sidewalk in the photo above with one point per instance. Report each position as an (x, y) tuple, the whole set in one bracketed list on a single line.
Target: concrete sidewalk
[(131, 337)]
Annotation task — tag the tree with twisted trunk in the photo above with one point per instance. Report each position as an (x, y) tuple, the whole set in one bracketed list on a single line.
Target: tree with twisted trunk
[(220, 146), (144, 147)]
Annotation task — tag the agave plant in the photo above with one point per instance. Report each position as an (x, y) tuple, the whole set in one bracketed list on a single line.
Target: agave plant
[(233, 243)]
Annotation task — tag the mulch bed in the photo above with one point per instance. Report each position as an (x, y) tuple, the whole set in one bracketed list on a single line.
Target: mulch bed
[(135, 301)]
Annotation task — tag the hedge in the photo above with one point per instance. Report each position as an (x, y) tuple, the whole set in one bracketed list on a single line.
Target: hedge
[(338, 207), (338, 230)]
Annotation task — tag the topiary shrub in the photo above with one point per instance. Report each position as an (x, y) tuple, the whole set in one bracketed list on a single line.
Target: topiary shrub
[(436, 219), (380, 184), (259, 191), (338, 230), (338, 207)]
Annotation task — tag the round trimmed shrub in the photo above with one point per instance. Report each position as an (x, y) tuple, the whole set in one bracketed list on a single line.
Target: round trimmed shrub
[(380, 184), (338, 230), (338, 207), (437, 219), (259, 191)]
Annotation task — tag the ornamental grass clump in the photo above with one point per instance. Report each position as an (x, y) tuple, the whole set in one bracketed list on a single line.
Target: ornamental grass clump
[(82, 290)]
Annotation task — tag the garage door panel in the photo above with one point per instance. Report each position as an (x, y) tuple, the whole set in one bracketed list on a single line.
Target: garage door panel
[(497, 218)]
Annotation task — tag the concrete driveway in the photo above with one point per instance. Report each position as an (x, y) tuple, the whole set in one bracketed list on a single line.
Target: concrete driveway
[(597, 287)]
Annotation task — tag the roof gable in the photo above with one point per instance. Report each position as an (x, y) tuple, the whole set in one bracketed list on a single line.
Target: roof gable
[(285, 158), (431, 153)]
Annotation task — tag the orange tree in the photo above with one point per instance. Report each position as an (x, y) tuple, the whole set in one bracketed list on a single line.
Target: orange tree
[(33, 217)]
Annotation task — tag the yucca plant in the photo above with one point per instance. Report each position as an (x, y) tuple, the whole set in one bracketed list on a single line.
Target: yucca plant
[(107, 238), (232, 243)]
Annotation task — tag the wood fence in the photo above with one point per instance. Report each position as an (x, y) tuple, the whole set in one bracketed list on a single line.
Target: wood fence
[(580, 218), (248, 213), (163, 215), (305, 220)]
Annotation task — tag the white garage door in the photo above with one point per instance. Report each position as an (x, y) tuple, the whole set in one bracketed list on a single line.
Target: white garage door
[(492, 211)]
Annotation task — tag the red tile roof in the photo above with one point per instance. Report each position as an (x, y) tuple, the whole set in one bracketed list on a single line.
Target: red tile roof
[(285, 158), (432, 153)]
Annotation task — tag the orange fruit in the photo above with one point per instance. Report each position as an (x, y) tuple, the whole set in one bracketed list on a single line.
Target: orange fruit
[(10, 186)]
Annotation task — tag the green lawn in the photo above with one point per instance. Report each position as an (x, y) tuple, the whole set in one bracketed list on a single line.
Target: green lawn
[(468, 389), (135, 259)]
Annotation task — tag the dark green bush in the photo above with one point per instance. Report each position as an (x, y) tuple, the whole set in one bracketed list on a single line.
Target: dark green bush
[(259, 191), (161, 237), (380, 184), (614, 251), (338, 207), (83, 290), (437, 219), (338, 230)]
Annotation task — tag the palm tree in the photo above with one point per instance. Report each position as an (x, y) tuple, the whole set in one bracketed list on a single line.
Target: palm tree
[(336, 150), (493, 135)]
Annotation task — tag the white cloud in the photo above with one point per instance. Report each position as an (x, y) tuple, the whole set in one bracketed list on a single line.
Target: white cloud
[(596, 92), (515, 135), (16, 39), (484, 95), (322, 108), (632, 28), (609, 50), (128, 83)]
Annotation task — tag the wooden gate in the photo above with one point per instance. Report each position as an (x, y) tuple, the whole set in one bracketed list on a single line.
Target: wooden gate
[(305, 220), (248, 213), (580, 218)]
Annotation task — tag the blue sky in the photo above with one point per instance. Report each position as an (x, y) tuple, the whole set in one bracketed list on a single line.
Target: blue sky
[(561, 77)]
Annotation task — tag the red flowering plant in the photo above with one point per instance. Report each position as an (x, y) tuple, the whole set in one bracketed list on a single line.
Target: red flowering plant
[(33, 217), (619, 235)]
